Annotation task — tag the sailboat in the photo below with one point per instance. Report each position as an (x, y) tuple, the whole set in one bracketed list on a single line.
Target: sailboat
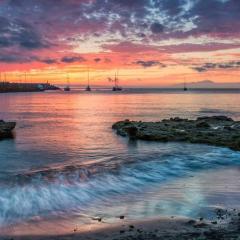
[(116, 87), (88, 88), (185, 86), (67, 88)]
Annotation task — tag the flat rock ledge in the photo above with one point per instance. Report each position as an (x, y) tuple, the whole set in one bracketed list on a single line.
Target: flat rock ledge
[(6, 129), (215, 130)]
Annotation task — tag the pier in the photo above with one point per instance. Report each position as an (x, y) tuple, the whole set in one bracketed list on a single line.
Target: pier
[(26, 87)]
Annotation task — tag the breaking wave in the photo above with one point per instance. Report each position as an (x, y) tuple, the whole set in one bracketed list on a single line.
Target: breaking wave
[(77, 187)]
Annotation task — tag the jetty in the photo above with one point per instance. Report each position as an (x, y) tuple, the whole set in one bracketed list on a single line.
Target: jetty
[(6, 87)]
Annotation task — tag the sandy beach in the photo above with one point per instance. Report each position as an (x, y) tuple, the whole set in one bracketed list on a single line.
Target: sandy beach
[(225, 227)]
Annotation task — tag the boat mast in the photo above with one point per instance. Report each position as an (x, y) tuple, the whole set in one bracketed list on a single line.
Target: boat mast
[(115, 80), (88, 77), (67, 80), (185, 85)]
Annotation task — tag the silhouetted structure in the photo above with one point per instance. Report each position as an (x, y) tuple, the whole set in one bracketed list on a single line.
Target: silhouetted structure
[(116, 86), (25, 87), (185, 86), (88, 88), (67, 88)]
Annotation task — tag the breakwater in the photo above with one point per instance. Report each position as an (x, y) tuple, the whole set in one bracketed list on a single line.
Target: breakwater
[(25, 87)]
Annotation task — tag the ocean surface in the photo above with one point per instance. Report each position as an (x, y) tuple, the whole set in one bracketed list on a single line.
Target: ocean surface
[(66, 164)]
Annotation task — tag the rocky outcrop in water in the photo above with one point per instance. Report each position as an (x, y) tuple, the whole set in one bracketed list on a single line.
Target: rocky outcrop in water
[(6, 129), (216, 130)]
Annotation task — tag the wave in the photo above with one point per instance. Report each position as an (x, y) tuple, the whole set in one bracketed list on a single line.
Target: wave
[(78, 188)]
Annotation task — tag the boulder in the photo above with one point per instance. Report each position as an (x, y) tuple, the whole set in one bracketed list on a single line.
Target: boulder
[(6, 129)]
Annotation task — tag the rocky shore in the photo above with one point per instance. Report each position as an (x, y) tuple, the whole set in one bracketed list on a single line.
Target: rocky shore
[(215, 130), (6, 129)]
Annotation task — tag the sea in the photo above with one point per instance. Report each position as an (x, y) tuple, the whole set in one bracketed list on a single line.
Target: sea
[(66, 167)]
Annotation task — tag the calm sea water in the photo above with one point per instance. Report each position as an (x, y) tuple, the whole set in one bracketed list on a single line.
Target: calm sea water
[(66, 160)]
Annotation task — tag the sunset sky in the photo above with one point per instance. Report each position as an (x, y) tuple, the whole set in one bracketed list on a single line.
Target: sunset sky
[(149, 42)]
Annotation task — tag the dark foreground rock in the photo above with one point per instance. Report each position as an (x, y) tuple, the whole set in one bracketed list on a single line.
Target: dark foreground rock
[(216, 130), (6, 129)]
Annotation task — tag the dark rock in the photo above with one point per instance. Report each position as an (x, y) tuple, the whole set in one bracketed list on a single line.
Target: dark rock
[(121, 217), (200, 225), (6, 129), (215, 130), (176, 119), (216, 118), (131, 131), (191, 222), (228, 128), (202, 124)]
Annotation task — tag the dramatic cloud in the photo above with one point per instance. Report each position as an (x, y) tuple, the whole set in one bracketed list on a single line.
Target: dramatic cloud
[(173, 7), (72, 59), (13, 58), (112, 34), (216, 16), (36, 24), (16, 59), (129, 47), (97, 60), (150, 63), (49, 61), (19, 33), (157, 28), (210, 66)]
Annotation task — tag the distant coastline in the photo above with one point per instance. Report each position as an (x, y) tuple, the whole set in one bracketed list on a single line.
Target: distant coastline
[(143, 90), (9, 87)]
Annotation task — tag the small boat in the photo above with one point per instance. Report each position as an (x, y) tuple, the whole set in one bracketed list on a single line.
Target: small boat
[(116, 87), (67, 88), (88, 88), (185, 86)]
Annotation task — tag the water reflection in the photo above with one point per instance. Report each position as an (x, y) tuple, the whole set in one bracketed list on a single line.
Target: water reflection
[(58, 134)]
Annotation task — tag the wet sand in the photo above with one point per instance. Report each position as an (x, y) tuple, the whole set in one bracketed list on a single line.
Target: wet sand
[(221, 225), (226, 226)]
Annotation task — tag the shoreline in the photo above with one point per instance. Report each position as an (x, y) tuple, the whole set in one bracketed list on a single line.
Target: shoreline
[(150, 229)]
